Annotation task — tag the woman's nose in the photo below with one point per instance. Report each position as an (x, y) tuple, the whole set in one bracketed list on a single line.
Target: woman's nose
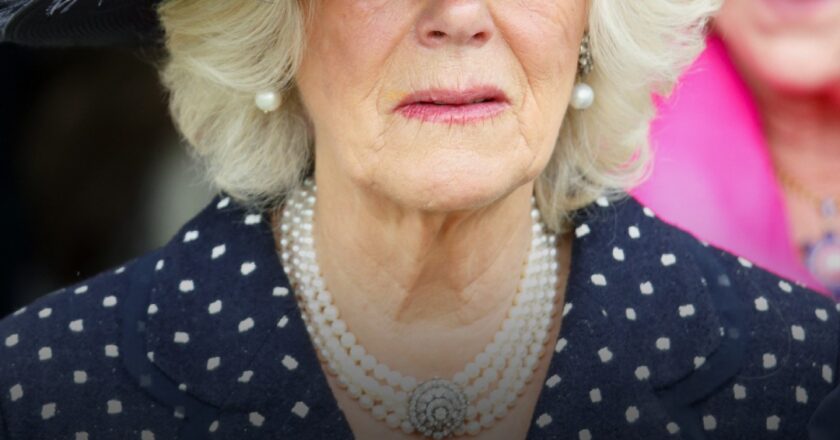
[(455, 22)]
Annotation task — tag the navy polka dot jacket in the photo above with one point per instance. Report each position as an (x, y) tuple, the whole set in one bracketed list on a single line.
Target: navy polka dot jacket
[(662, 337)]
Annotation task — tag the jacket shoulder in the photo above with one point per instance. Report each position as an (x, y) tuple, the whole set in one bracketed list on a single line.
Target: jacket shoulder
[(61, 363)]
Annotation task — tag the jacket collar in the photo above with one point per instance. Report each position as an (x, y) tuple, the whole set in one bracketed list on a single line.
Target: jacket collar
[(219, 284)]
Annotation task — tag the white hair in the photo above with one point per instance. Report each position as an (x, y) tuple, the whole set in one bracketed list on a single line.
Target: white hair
[(221, 53)]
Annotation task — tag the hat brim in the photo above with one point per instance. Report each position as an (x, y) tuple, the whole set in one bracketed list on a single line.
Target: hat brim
[(79, 22)]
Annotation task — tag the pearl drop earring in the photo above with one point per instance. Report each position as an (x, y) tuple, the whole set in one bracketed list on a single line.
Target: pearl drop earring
[(583, 96), (268, 101)]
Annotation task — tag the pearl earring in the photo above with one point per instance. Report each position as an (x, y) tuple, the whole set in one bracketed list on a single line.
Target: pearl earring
[(268, 101), (583, 96)]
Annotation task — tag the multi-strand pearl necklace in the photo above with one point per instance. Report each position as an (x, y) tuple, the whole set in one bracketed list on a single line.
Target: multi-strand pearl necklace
[(474, 397)]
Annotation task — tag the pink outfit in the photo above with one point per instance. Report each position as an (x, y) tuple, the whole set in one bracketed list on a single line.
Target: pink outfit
[(712, 173)]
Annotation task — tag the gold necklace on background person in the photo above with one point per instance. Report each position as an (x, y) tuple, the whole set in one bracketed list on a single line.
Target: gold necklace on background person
[(821, 257)]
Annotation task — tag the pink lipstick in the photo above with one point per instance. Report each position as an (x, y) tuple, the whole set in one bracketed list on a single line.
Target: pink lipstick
[(454, 106)]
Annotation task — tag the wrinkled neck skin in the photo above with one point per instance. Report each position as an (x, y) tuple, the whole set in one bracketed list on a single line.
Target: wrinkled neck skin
[(412, 267)]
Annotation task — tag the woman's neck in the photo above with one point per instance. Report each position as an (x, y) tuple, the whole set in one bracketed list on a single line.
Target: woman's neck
[(803, 133), (411, 266)]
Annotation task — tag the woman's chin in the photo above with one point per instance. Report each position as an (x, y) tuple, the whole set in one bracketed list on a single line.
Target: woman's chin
[(440, 191)]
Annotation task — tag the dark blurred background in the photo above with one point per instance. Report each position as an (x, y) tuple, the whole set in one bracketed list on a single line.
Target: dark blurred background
[(92, 171)]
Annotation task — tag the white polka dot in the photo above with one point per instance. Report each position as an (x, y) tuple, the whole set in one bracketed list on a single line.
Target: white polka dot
[(190, 236), (289, 362), (186, 286), (215, 307), (182, 386), (668, 259), (19, 311), (214, 426), (223, 203), (773, 423), (599, 280), (672, 428), (739, 391), (159, 265), (567, 308), (618, 254), (213, 363), (150, 355), (79, 376), (181, 337), (768, 360), (147, 435), (12, 340), (120, 270), (218, 251), (827, 373), (744, 262), (595, 395), (699, 361), (45, 312), (253, 219), (560, 345), (582, 230), (801, 395), (76, 325), (632, 414), (246, 324), (709, 422), (602, 202), (256, 418), (646, 288), (663, 343), (822, 314), (761, 304), (16, 392), (45, 353), (785, 286), (552, 381), (247, 267), (686, 310), (584, 434), (543, 420), (300, 409), (282, 322), (112, 350), (605, 354), (630, 314), (246, 376), (797, 332), (633, 232), (280, 291), (114, 406), (642, 372), (648, 212), (153, 308), (81, 435), (179, 412), (47, 411), (109, 301)]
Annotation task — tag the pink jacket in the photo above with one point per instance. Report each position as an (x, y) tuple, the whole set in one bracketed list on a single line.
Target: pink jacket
[(712, 174)]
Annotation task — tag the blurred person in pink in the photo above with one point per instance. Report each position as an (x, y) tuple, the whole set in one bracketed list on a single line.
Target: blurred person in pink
[(748, 146)]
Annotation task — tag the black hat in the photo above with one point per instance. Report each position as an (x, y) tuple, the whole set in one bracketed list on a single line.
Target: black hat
[(79, 22)]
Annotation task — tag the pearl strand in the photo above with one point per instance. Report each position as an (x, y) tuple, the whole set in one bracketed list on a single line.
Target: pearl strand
[(510, 359)]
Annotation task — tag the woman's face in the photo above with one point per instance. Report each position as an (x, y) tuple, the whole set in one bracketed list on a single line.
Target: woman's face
[(373, 70), (792, 45)]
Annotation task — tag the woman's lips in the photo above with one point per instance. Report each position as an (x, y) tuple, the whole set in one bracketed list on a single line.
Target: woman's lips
[(452, 106)]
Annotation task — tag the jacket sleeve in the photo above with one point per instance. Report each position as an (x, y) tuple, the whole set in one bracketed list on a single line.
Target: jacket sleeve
[(825, 422)]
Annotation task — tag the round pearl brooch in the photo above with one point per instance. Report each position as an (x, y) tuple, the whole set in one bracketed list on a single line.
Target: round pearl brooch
[(473, 398)]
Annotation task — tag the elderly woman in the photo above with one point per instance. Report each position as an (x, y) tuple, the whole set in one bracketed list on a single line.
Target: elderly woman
[(405, 207)]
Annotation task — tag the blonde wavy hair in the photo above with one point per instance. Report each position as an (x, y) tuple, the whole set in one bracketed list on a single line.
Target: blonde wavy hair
[(220, 53)]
